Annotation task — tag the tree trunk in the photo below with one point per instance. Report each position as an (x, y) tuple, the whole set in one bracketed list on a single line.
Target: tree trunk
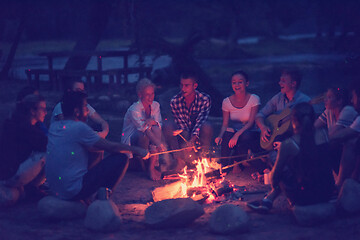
[(5, 70), (90, 34)]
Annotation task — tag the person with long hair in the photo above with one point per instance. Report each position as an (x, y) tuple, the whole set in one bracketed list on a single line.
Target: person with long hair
[(301, 169), (350, 137), (238, 130), (338, 114), (23, 145)]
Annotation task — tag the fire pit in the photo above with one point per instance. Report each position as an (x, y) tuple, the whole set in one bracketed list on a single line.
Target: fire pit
[(203, 181)]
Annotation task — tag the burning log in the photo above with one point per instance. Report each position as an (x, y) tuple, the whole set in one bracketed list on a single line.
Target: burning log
[(172, 190), (195, 191), (200, 198), (223, 188)]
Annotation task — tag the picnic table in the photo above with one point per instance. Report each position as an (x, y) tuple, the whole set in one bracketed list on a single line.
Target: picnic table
[(57, 76)]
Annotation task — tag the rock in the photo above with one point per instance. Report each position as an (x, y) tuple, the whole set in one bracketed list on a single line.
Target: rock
[(8, 196), (314, 214), (54, 208), (229, 219), (169, 213), (103, 216), (349, 197)]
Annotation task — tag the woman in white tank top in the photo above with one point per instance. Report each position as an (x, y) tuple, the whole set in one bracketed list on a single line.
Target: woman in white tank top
[(238, 130)]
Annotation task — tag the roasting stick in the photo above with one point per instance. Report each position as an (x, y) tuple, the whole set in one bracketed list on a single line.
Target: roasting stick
[(245, 160), (171, 151), (176, 176), (182, 137), (241, 155), (176, 150), (178, 133)]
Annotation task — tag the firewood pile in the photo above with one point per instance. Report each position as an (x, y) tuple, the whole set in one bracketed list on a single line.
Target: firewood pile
[(204, 182)]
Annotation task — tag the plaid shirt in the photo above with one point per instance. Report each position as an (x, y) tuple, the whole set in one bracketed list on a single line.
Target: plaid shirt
[(200, 109)]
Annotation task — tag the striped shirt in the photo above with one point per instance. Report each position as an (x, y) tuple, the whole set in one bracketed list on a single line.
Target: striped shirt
[(191, 119), (346, 117)]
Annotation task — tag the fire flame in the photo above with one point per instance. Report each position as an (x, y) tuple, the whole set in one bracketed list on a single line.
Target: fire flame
[(196, 178)]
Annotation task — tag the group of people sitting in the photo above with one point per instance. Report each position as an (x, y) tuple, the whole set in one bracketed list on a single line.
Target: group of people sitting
[(70, 155)]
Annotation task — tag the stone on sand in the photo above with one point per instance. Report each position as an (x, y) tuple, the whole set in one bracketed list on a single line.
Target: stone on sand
[(103, 216), (228, 219), (51, 207), (311, 215), (172, 213)]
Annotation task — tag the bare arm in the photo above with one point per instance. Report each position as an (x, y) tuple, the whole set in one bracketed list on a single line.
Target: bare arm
[(335, 129), (319, 124), (265, 131), (104, 125), (114, 147), (260, 122), (247, 126), (226, 116), (344, 134)]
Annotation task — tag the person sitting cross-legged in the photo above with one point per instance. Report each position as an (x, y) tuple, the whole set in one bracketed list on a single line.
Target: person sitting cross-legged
[(350, 137), (23, 146), (302, 169), (70, 173), (142, 126), (338, 115)]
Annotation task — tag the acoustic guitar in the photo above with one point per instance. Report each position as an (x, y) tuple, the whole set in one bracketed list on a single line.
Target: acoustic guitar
[(280, 123)]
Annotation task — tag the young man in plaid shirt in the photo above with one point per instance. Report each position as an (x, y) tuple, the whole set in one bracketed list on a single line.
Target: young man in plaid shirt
[(190, 109)]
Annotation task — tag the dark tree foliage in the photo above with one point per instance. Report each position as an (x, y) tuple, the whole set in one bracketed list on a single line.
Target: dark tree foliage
[(90, 32)]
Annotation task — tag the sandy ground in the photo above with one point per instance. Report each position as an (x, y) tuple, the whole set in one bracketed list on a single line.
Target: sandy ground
[(133, 196)]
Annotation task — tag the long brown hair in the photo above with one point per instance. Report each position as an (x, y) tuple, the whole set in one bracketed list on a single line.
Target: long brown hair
[(304, 114)]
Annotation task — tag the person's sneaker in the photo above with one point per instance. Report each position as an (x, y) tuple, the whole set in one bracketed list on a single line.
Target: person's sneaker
[(260, 206)]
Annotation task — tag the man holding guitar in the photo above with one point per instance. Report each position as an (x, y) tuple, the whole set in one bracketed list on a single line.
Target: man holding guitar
[(288, 96)]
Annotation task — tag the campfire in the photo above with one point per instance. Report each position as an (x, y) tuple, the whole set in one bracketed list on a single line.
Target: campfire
[(204, 182)]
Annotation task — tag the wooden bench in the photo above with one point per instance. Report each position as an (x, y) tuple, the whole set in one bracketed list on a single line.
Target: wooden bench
[(117, 75)]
